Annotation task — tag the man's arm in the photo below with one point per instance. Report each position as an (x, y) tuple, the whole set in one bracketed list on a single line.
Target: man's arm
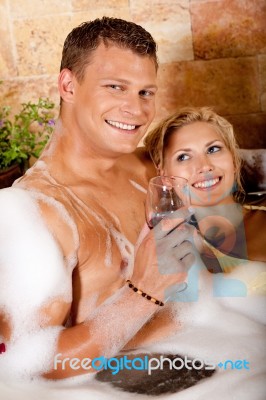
[(38, 275)]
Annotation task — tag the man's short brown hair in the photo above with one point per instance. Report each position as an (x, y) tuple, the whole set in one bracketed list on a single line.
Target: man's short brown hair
[(85, 38)]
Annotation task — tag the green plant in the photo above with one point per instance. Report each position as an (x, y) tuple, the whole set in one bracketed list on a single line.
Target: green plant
[(26, 133)]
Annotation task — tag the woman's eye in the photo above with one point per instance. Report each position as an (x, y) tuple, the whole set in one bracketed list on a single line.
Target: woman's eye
[(182, 157), (213, 149)]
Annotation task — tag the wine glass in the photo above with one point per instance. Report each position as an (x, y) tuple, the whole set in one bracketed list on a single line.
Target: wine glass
[(165, 195)]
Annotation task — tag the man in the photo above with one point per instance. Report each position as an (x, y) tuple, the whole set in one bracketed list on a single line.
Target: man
[(70, 224)]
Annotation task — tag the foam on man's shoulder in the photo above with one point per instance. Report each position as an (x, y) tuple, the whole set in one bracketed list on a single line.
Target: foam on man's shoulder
[(33, 273), (32, 267), (138, 186)]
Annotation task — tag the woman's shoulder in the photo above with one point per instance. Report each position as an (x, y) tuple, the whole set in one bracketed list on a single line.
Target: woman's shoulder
[(255, 228), (255, 203), (253, 207)]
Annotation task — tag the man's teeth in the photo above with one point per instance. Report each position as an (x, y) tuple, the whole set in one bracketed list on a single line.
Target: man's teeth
[(121, 126), (205, 184)]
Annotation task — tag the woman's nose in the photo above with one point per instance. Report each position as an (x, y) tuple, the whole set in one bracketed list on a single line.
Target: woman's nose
[(204, 164)]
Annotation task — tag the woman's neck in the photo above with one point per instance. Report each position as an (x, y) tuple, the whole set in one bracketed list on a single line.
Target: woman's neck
[(222, 226)]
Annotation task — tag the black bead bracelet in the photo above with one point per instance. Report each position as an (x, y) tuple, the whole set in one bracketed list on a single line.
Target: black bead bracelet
[(143, 294)]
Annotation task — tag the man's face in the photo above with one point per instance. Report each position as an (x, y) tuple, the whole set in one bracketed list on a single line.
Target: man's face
[(115, 102)]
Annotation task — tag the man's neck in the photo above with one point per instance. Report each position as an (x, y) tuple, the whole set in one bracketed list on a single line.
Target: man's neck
[(68, 156)]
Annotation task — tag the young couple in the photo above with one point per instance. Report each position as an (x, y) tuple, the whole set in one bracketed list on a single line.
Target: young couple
[(69, 226)]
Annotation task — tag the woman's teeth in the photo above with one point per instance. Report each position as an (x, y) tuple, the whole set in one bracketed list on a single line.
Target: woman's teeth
[(206, 184), (121, 126)]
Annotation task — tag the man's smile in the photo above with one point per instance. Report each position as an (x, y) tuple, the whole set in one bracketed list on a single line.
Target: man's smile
[(121, 125)]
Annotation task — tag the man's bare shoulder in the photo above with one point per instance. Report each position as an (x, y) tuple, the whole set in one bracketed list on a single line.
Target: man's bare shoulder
[(15, 202), (25, 236), (32, 264), (23, 212)]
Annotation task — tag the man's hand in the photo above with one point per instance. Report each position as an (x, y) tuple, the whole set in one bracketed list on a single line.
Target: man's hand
[(165, 254)]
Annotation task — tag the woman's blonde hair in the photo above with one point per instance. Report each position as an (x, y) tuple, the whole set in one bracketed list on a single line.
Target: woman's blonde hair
[(158, 139)]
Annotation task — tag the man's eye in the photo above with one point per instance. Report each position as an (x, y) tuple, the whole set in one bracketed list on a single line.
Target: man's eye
[(213, 149), (146, 93), (182, 157)]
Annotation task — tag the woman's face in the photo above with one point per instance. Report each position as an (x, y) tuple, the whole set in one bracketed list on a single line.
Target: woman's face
[(197, 152)]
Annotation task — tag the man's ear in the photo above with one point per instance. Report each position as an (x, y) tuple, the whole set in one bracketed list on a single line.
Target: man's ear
[(66, 84)]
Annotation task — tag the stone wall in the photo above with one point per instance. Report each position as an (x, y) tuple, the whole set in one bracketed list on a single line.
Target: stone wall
[(212, 52)]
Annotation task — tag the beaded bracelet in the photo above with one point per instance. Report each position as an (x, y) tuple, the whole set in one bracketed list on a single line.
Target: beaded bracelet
[(143, 294)]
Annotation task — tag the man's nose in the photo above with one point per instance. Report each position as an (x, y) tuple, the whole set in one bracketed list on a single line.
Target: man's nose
[(132, 104)]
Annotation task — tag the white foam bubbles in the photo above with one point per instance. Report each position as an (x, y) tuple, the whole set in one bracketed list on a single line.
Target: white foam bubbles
[(31, 263), (30, 355), (106, 322), (34, 275), (138, 186)]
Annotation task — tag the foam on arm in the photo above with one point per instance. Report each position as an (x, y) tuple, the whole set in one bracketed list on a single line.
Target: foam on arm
[(34, 273)]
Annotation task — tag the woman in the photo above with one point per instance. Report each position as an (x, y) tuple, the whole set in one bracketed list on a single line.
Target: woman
[(220, 316), (199, 145), (209, 320)]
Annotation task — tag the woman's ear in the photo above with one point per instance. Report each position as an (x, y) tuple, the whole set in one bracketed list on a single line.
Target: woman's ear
[(160, 169), (66, 81)]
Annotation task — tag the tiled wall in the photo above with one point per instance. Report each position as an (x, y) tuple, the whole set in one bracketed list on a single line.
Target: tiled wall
[(212, 52)]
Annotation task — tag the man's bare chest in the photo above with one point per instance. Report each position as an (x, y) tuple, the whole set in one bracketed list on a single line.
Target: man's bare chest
[(116, 206), (110, 226)]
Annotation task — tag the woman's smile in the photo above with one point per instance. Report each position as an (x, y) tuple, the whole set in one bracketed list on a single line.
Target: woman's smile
[(197, 152), (207, 184)]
